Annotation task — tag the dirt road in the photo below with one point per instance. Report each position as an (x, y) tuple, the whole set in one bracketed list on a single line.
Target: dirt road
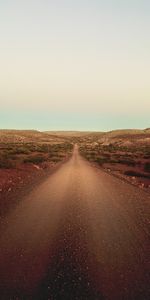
[(82, 234)]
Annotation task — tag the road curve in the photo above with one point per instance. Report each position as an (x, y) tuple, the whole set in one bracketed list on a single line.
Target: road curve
[(82, 234)]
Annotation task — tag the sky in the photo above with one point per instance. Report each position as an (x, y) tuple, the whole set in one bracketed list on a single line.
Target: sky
[(74, 65)]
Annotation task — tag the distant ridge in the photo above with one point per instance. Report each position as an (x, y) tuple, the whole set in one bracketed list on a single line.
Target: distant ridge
[(27, 136), (32, 135)]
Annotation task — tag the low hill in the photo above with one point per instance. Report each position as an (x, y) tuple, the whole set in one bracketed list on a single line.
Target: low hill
[(27, 136), (68, 134), (126, 137), (121, 137)]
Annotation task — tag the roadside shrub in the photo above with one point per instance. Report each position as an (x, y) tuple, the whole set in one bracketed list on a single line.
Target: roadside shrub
[(21, 150), (147, 156), (147, 167), (6, 163), (107, 155), (55, 158), (135, 174), (101, 160), (35, 159), (113, 161), (88, 156), (43, 148), (7, 160), (127, 162)]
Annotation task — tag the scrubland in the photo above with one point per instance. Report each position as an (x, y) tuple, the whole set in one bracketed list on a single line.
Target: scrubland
[(124, 153), (26, 157)]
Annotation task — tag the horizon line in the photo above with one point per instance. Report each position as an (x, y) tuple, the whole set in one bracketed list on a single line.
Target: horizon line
[(71, 130)]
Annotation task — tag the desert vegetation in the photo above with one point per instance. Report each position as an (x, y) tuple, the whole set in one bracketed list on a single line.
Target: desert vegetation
[(13, 154), (25, 158), (31, 146), (124, 153)]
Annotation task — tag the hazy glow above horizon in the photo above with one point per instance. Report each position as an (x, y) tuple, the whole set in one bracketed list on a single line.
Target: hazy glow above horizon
[(74, 64)]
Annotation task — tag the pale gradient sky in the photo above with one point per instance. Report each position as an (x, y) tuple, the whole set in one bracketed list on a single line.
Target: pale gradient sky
[(82, 65)]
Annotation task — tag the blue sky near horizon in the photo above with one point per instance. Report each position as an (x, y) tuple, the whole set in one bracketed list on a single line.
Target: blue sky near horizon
[(59, 121), (74, 65)]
